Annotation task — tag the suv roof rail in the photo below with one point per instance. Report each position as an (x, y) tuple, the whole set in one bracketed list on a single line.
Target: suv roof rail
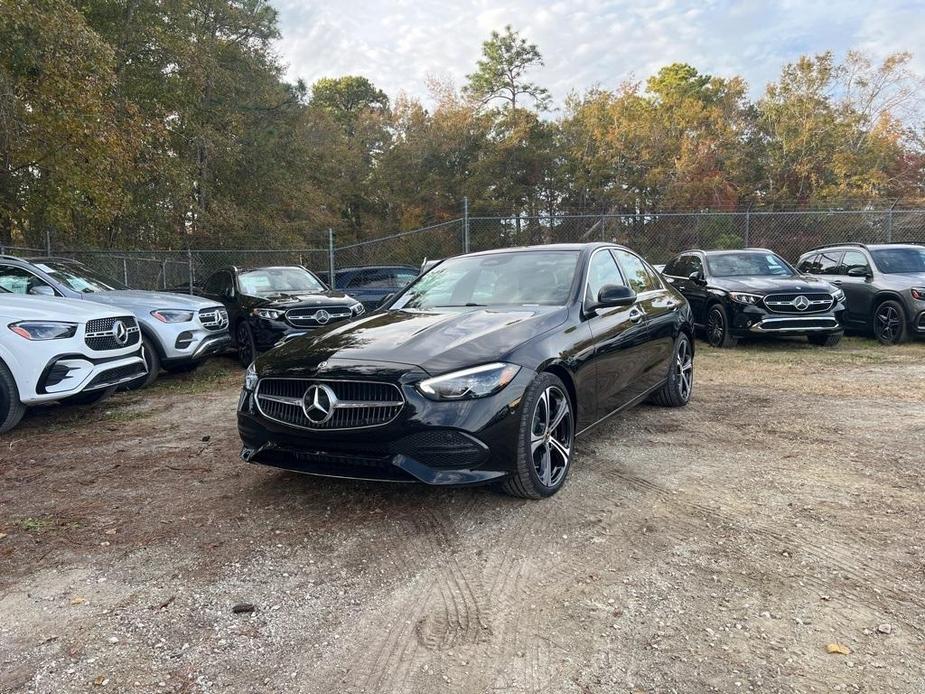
[(758, 248), (9, 257)]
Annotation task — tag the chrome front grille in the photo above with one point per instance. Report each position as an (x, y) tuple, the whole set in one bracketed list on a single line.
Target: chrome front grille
[(317, 316), (214, 318), (327, 405), (799, 303), (103, 334)]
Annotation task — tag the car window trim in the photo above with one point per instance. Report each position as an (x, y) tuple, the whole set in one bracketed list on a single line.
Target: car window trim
[(654, 273), (587, 282)]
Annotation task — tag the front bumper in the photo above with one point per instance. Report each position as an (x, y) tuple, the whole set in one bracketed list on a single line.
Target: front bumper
[(185, 342), (438, 443), (71, 374), (754, 320)]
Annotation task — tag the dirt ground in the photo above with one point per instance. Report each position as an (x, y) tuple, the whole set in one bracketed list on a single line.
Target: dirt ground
[(721, 547)]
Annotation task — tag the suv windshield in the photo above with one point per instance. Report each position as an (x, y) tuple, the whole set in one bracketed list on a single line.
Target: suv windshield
[(893, 261), (79, 278), (748, 264), (279, 280), (537, 278)]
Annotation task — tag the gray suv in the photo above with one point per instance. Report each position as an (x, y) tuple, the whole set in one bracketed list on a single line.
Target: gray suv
[(884, 285), (178, 331)]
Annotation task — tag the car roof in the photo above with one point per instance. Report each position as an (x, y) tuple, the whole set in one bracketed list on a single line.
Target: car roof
[(553, 247), (847, 245), (374, 267)]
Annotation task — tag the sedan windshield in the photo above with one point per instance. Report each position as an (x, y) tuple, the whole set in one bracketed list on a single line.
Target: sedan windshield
[(748, 265), (79, 278), (279, 280), (533, 278), (894, 261)]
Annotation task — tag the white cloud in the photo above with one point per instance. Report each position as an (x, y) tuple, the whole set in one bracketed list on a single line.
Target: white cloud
[(397, 44)]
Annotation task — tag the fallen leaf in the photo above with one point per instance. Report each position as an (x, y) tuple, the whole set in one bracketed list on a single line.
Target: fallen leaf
[(2, 535), (77, 600), (837, 648)]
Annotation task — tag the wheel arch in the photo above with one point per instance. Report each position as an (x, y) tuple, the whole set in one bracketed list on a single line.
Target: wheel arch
[(564, 375), (151, 334)]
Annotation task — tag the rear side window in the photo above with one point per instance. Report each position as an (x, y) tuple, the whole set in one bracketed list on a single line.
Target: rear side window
[(827, 263), (675, 267), (807, 264), (640, 277), (854, 259)]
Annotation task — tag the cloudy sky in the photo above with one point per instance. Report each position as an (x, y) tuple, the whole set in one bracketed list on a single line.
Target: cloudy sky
[(398, 44)]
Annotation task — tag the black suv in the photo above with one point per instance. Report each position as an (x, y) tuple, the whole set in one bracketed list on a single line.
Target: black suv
[(884, 285), (755, 292), (267, 305), (370, 285)]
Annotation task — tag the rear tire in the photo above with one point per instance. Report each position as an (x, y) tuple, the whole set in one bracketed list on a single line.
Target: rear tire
[(824, 340), (717, 329), (889, 323), (153, 362), (11, 409), (680, 384), (546, 440)]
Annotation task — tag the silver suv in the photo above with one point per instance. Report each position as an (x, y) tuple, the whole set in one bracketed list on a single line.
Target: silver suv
[(884, 285), (178, 331)]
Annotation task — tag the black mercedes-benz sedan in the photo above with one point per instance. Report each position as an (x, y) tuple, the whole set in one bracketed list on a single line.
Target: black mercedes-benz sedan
[(754, 292), (267, 305), (484, 369)]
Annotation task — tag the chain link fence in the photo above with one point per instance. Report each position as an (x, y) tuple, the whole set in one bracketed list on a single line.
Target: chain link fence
[(658, 237)]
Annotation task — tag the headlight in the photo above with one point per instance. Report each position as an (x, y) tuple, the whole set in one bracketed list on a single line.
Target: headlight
[(918, 293), (471, 383), (250, 377), (268, 313), (838, 295), (44, 330), (358, 309), (169, 315), (745, 298)]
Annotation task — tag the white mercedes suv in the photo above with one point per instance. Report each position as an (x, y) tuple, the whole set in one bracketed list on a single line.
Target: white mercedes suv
[(62, 349)]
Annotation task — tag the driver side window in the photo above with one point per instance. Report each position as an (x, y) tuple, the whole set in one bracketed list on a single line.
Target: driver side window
[(16, 280), (602, 271), (854, 259)]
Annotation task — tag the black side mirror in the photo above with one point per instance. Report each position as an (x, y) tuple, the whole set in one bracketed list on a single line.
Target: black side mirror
[(612, 295), (697, 277), (857, 271)]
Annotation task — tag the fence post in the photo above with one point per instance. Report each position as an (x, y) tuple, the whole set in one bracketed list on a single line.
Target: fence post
[(189, 266), (889, 224), (465, 225), (125, 271), (47, 241), (331, 257), (748, 219), (164, 273)]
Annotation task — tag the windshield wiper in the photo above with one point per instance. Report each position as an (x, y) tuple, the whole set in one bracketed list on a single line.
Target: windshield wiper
[(468, 305)]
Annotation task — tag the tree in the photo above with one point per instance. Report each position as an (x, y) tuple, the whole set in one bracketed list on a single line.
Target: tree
[(500, 73), (347, 97)]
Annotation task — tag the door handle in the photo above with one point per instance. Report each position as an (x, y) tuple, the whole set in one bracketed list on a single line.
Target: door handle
[(836, 281), (636, 314)]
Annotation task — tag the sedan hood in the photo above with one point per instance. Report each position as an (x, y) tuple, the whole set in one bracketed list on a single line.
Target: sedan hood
[(436, 341), (772, 285), (138, 299)]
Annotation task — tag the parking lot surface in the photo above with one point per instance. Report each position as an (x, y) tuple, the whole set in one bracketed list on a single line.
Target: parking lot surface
[(728, 546)]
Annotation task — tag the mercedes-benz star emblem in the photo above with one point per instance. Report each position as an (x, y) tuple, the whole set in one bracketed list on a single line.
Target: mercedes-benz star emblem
[(318, 403), (801, 303), (120, 332), (322, 316)]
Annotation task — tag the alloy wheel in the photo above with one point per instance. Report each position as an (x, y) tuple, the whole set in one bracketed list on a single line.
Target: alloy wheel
[(551, 436), (245, 348), (888, 323), (684, 370), (715, 328)]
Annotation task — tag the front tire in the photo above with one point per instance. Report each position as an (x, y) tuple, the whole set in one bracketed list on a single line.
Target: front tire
[(247, 348), (824, 340), (718, 334), (680, 384), (152, 361), (547, 438), (890, 323), (11, 408)]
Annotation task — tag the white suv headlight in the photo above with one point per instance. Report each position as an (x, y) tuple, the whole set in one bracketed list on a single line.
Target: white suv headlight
[(468, 384), (44, 330), (169, 315)]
